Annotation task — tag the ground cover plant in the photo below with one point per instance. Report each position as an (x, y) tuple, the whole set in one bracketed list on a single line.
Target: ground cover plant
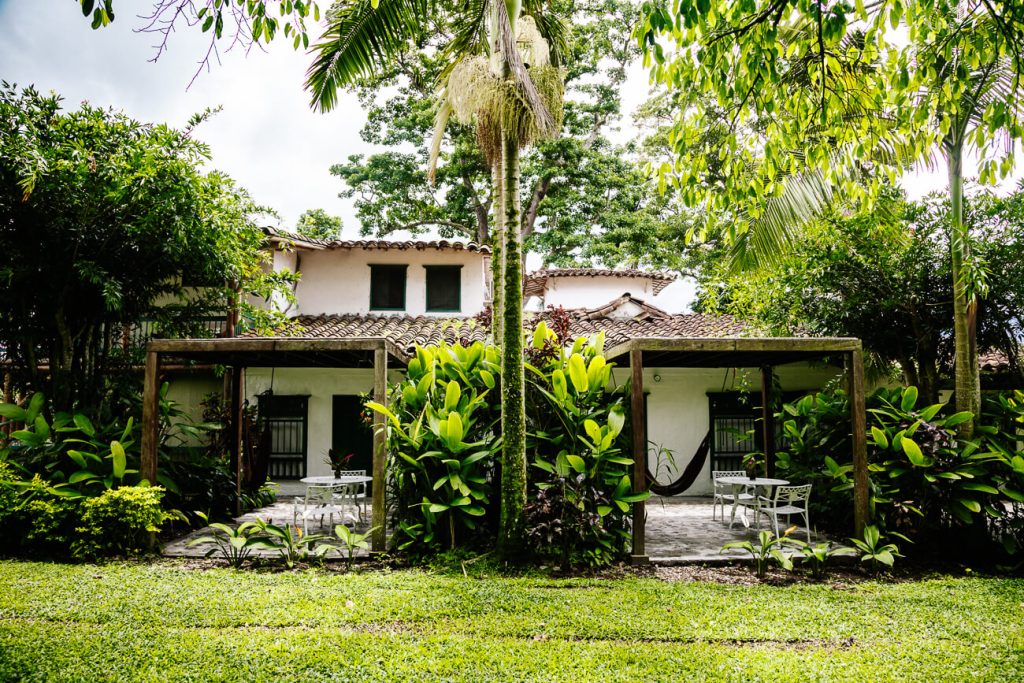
[(144, 622)]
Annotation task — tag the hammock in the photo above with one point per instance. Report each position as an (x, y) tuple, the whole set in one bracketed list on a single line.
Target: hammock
[(690, 474)]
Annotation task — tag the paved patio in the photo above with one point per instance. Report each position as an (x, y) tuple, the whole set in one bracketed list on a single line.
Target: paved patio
[(679, 529), (280, 513)]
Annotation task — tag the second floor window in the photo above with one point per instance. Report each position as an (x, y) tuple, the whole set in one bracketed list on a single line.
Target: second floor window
[(444, 288), (387, 288)]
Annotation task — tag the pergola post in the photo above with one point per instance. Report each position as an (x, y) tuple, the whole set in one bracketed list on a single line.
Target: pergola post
[(767, 421), (380, 390), (638, 413), (858, 422), (150, 417), (238, 422)]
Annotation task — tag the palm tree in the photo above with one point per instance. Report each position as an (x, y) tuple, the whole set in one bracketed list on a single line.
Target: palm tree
[(512, 104)]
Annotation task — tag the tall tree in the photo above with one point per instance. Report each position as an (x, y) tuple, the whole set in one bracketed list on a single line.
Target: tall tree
[(511, 104), (103, 221), (834, 88)]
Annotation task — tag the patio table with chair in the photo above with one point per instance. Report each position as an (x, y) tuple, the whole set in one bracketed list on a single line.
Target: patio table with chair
[(741, 492), (328, 495)]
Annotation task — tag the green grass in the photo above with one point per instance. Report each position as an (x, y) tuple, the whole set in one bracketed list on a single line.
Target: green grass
[(161, 623)]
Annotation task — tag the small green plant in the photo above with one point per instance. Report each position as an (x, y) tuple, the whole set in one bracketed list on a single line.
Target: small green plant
[(292, 546), (817, 555), (768, 550), (873, 550), (119, 522), (351, 541), (235, 544)]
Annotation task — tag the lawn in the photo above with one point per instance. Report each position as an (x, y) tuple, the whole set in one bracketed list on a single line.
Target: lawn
[(163, 622)]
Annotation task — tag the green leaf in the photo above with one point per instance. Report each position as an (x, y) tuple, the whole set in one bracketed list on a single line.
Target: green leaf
[(84, 424), (578, 373), (452, 394), (14, 412), (914, 453), (881, 440), (119, 458), (958, 418), (577, 463), (909, 399)]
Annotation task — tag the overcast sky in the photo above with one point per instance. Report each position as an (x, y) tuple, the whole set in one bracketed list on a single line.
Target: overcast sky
[(266, 137)]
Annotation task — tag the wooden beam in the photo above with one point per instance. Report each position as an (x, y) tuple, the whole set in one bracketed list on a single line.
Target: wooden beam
[(265, 344), (379, 538), (858, 422), (238, 423), (639, 425), (150, 416), (767, 421), (804, 344)]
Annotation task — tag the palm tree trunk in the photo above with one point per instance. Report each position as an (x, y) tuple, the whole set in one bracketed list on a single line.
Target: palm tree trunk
[(967, 379), (513, 405), (497, 256)]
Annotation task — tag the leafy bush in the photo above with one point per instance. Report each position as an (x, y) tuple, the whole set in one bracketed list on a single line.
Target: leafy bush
[(444, 436), (581, 511), (442, 442), (924, 483), (118, 522)]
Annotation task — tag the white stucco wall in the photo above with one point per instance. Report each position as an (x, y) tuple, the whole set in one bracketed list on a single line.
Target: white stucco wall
[(678, 414), (590, 292), (320, 384), (337, 281), (189, 390)]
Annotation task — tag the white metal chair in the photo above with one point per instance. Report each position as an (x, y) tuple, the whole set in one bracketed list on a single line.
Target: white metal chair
[(319, 501), (353, 493), (786, 501), (723, 493)]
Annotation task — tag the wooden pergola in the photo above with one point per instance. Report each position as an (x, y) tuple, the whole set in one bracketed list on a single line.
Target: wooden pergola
[(238, 354), (763, 353)]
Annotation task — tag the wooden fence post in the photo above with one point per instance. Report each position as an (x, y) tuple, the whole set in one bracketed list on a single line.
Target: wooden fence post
[(858, 424), (150, 417)]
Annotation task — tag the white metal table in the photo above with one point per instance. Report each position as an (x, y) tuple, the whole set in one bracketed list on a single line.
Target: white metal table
[(739, 483), (346, 484)]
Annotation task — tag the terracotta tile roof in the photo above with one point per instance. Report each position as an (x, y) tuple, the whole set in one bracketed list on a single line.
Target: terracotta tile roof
[(408, 331), (537, 281), (275, 236)]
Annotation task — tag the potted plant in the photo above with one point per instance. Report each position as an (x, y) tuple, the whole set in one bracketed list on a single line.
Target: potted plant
[(753, 463), (338, 462)]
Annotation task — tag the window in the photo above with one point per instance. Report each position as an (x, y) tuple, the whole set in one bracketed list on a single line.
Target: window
[(444, 288), (387, 288)]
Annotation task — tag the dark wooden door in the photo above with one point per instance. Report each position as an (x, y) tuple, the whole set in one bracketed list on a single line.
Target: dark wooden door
[(350, 434)]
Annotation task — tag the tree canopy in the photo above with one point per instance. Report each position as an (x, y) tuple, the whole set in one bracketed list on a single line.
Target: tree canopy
[(319, 225), (883, 275), (106, 221)]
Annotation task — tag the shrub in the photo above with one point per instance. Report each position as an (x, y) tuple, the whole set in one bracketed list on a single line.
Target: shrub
[(44, 518), (444, 437), (118, 522), (442, 442)]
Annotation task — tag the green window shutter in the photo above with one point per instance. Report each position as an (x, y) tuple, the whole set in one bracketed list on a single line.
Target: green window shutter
[(444, 289), (387, 287)]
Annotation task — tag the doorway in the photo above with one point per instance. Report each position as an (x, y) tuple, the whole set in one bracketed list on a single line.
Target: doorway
[(351, 434)]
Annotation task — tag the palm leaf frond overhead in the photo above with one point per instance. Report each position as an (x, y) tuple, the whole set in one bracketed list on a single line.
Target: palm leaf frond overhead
[(358, 39)]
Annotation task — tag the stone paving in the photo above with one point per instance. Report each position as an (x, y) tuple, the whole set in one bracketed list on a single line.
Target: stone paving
[(280, 513), (679, 529)]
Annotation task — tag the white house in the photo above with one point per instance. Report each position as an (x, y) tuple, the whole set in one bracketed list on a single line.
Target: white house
[(415, 292)]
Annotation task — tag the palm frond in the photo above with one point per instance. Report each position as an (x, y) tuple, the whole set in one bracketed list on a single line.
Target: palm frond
[(360, 38)]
